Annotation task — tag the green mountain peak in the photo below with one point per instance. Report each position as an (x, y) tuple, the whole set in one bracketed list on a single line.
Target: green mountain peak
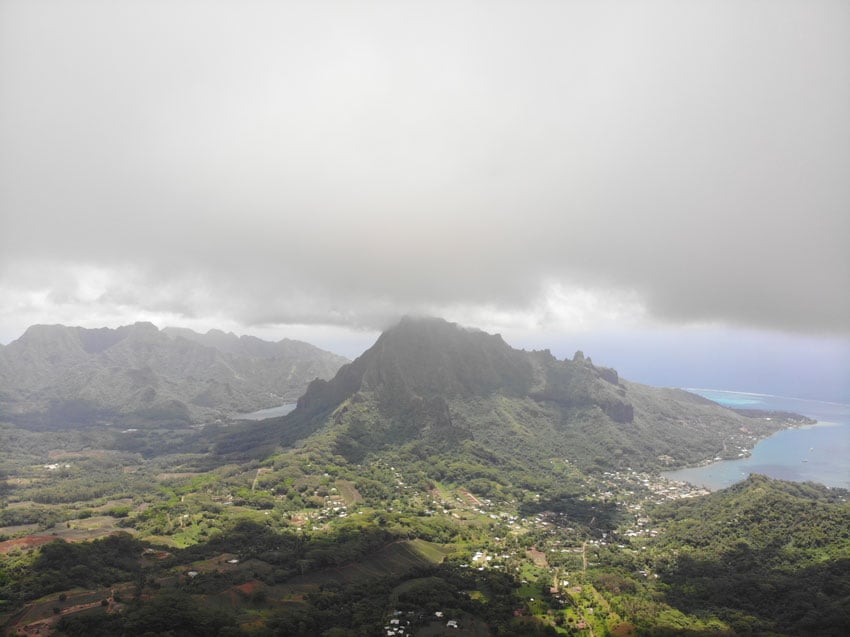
[(430, 382)]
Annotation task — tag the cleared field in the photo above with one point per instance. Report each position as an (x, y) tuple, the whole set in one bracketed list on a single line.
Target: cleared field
[(24, 543), (163, 477), (223, 564), (127, 502), (348, 492), (19, 528), (40, 617), (74, 531)]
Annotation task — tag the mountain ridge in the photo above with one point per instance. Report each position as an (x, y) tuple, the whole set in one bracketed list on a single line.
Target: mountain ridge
[(428, 381), (55, 372)]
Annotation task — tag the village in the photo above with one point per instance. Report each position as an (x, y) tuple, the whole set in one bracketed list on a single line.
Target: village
[(547, 551)]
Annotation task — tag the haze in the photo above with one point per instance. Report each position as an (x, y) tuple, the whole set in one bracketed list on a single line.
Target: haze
[(662, 184)]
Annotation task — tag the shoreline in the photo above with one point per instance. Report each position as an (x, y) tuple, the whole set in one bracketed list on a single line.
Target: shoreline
[(808, 447)]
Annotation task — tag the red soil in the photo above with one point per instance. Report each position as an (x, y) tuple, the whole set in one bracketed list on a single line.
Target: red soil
[(26, 542)]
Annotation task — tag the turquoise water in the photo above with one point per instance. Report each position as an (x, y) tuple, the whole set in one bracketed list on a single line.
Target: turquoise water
[(820, 453)]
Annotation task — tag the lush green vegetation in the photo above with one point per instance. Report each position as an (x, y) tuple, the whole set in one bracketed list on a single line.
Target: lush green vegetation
[(60, 566), (518, 500), (322, 545), (762, 555)]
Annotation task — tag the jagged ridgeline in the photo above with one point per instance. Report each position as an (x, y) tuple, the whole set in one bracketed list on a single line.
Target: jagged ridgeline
[(430, 386), (57, 376)]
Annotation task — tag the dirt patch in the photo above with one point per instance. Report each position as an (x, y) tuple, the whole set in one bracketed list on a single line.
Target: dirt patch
[(471, 498), (25, 543), (624, 629), (248, 587), (155, 555), (39, 618), (88, 529), (62, 533), (538, 557)]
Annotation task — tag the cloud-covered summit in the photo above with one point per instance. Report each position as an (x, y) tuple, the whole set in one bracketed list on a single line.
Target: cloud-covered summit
[(328, 163)]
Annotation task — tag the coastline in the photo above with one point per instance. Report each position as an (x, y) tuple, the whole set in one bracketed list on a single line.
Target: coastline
[(811, 448)]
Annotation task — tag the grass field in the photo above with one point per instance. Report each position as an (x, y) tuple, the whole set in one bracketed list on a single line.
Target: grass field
[(348, 492)]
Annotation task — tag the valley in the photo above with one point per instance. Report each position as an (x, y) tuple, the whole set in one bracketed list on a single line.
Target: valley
[(442, 483), (56, 377), (471, 532)]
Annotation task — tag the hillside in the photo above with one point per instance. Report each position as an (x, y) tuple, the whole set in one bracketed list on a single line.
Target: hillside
[(756, 553), (55, 375), (434, 385), (442, 483)]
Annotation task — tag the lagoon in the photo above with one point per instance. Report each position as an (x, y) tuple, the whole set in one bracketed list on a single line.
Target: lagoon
[(817, 453)]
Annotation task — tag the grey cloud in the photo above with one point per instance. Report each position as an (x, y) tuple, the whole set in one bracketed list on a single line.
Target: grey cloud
[(310, 163)]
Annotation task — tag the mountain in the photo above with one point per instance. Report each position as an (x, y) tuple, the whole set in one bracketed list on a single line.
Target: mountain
[(56, 375), (442, 479), (431, 385)]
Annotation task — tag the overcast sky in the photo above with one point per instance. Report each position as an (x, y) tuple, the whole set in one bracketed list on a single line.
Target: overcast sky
[(644, 173)]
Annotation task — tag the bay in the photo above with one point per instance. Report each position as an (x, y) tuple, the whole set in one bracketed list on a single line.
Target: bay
[(271, 412), (818, 453)]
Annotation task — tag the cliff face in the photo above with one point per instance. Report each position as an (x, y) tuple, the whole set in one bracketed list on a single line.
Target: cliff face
[(436, 383)]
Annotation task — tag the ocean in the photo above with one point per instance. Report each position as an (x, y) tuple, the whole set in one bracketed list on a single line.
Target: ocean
[(817, 453)]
